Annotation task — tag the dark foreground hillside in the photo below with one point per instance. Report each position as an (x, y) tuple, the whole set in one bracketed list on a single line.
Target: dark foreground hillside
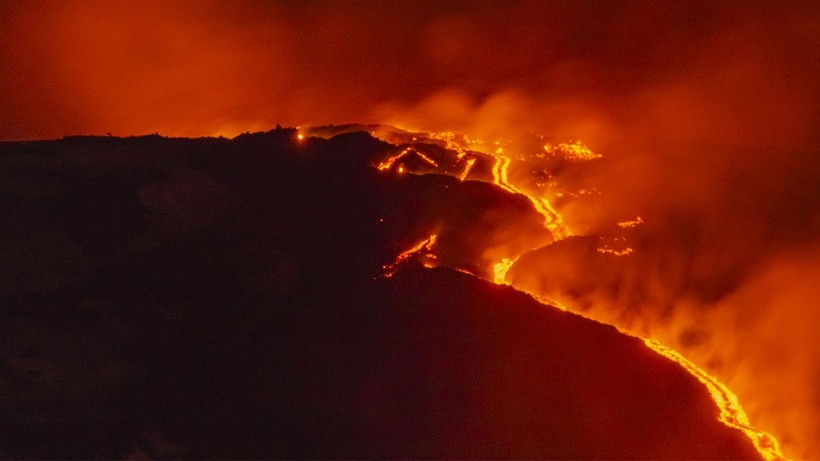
[(213, 298)]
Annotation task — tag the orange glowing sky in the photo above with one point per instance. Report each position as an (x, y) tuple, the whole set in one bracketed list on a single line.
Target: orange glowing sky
[(706, 114), (583, 69)]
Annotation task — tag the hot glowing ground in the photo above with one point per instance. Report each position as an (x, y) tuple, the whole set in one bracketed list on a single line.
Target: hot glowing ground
[(285, 295)]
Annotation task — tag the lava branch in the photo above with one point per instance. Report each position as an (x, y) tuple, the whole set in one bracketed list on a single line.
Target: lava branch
[(387, 164), (731, 412), (404, 256), (500, 270), (619, 247), (451, 141), (611, 251), (572, 150), (552, 219), (467, 168)]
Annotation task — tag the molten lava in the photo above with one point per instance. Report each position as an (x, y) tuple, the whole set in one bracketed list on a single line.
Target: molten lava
[(500, 270), (616, 246), (390, 161), (612, 251), (731, 412), (387, 164), (553, 221), (572, 151), (467, 168), (422, 248), (632, 223)]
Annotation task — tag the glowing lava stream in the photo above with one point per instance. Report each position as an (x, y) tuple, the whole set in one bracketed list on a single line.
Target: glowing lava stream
[(552, 220), (731, 412), (467, 168), (387, 164), (404, 256), (500, 270)]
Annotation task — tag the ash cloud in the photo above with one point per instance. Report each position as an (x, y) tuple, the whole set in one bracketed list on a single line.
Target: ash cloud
[(706, 114), (710, 135)]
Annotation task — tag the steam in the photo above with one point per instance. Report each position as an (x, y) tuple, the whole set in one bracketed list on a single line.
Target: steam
[(720, 159), (706, 116)]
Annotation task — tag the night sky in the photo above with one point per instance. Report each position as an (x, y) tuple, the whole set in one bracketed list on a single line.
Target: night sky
[(705, 113), (740, 72)]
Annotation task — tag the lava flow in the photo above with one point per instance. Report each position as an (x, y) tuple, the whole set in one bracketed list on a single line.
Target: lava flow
[(387, 164), (404, 256), (500, 270), (576, 151), (467, 168), (731, 412), (552, 220)]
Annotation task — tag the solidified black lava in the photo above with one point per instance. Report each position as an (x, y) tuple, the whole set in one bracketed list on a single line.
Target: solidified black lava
[(214, 298)]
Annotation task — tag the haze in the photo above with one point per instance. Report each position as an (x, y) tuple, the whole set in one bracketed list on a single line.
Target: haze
[(707, 113)]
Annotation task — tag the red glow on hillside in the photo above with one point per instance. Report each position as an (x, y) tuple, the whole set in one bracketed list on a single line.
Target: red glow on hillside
[(574, 70), (707, 115)]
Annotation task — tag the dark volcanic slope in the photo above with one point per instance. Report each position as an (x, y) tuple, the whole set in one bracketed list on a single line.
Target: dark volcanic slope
[(220, 298)]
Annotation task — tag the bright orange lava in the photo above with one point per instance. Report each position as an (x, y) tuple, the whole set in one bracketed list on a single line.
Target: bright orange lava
[(633, 223), (552, 220), (731, 412), (404, 256), (500, 270), (572, 151), (467, 169), (614, 252), (388, 164)]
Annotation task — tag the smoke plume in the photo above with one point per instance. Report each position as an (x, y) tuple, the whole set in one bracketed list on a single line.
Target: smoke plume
[(705, 113)]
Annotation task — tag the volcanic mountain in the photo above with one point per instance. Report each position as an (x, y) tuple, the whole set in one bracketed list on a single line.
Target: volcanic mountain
[(276, 295)]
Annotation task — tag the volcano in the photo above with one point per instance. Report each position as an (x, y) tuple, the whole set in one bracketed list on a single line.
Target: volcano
[(277, 295)]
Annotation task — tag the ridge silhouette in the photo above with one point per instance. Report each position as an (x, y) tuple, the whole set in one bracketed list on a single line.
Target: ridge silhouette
[(215, 298)]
